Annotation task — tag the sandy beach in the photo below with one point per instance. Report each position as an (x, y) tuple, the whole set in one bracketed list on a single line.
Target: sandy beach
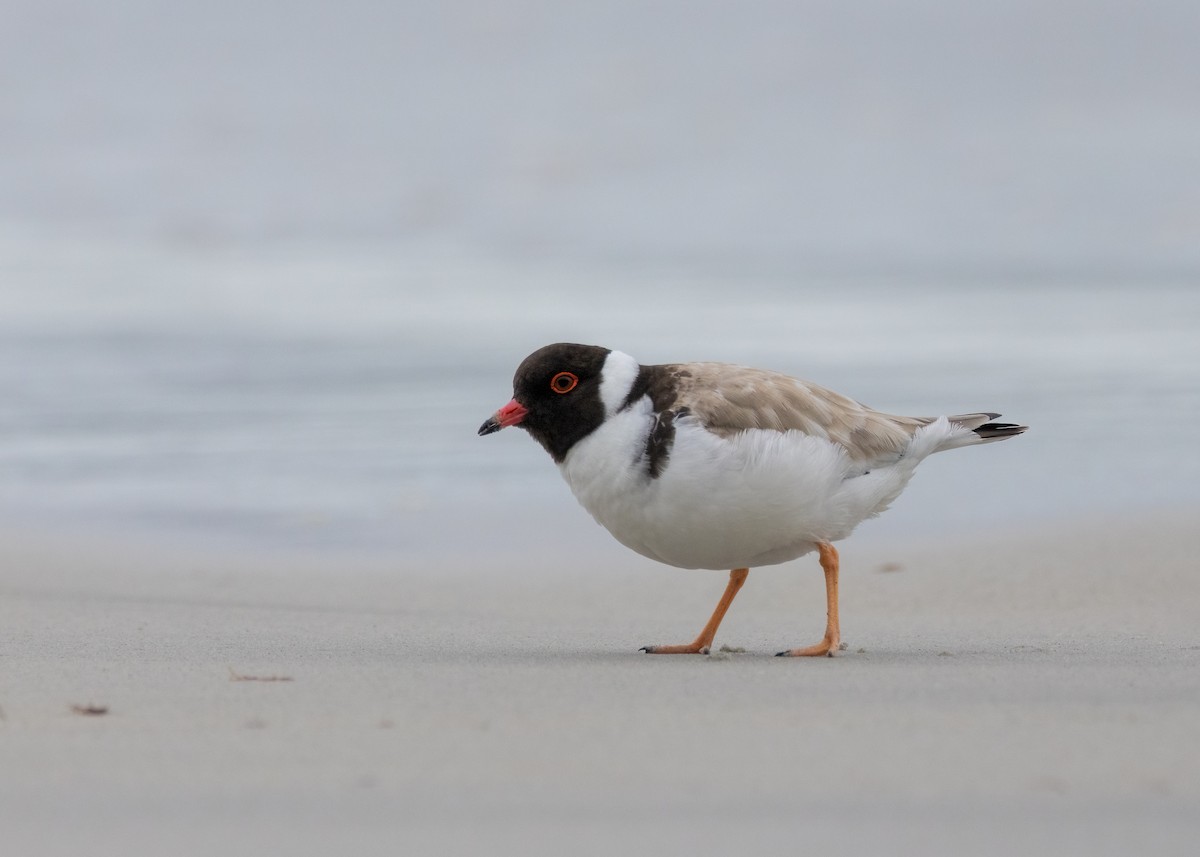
[(265, 268), (1034, 692)]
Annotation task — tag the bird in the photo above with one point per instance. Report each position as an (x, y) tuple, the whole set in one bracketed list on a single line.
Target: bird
[(720, 466)]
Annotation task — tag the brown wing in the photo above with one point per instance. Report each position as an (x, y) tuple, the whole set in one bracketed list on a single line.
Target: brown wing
[(729, 399)]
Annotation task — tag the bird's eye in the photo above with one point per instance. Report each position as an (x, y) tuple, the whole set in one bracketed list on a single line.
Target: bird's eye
[(564, 382)]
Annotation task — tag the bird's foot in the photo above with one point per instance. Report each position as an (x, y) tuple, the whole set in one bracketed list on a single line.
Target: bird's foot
[(826, 648), (696, 648)]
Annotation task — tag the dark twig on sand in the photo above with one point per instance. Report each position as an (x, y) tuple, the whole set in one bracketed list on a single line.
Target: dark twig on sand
[(90, 710)]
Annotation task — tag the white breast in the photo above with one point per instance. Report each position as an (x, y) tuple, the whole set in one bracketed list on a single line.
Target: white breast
[(759, 497)]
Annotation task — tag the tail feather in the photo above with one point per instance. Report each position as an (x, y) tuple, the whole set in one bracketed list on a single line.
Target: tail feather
[(999, 431), (985, 429)]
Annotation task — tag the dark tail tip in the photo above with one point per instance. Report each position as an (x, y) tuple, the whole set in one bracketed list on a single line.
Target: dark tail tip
[(1000, 431)]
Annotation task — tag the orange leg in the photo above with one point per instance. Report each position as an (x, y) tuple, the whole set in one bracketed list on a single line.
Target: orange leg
[(701, 644), (833, 631)]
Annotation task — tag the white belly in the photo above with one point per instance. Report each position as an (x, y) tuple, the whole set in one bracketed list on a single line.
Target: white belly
[(758, 498)]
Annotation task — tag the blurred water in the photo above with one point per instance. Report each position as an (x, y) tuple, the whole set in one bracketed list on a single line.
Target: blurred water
[(921, 135), (264, 268), (338, 404)]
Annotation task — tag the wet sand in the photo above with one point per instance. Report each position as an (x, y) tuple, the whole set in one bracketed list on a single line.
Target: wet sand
[(1029, 692)]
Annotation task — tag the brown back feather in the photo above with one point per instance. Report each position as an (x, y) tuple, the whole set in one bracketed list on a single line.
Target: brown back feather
[(729, 399)]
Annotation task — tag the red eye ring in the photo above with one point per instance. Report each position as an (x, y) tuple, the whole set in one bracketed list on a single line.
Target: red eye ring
[(564, 382)]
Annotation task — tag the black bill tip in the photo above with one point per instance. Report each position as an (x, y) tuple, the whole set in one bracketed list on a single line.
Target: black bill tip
[(490, 426)]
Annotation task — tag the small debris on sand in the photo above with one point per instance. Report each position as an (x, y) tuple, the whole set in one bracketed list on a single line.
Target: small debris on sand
[(236, 676), (90, 710)]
